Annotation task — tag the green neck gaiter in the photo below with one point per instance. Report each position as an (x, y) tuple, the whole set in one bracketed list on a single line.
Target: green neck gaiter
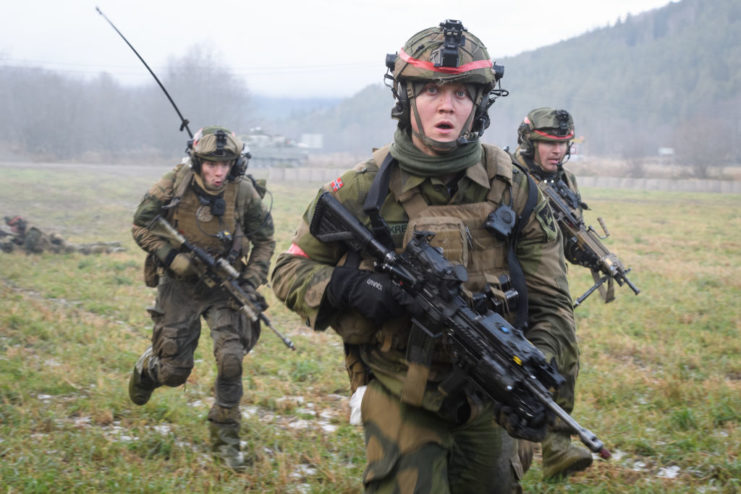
[(414, 161)]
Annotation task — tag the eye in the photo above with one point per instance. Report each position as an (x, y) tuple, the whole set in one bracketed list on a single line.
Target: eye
[(431, 89)]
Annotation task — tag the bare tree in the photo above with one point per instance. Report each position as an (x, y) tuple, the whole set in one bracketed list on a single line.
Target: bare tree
[(703, 142)]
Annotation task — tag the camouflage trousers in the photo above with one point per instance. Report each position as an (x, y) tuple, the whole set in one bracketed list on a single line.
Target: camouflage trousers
[(412, 450), (177, 328)]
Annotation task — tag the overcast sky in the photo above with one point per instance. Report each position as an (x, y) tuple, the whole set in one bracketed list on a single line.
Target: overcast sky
[(281, 47)]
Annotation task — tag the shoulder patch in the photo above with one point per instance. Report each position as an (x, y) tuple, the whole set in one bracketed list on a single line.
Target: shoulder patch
[(547, 221), (337, 184)]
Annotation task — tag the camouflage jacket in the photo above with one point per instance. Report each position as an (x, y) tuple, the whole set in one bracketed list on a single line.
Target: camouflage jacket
[(247, 207), (301, 274)]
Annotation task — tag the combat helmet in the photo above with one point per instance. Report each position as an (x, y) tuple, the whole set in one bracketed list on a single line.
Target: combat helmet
[(218, 144), (17, 224), (446, 53), (544, 124)]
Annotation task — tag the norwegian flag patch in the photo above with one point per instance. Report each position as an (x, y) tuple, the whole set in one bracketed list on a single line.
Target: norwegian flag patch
[(337, 184)]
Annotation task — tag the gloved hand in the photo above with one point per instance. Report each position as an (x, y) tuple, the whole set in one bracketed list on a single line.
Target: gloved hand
[(182, 265), (517, 427), (372, 294), (255, 297)]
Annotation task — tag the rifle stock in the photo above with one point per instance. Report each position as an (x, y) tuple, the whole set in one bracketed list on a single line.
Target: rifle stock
[(489, 353), (216, 271)]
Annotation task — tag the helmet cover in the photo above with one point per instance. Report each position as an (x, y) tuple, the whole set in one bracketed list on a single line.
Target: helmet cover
[(216, 144)]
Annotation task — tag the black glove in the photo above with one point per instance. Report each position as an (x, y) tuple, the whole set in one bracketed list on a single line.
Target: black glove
[(517, 427), (372, 294)]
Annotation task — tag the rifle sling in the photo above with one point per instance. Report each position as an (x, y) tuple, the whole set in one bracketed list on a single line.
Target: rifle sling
[(374, 200), (515, 268)]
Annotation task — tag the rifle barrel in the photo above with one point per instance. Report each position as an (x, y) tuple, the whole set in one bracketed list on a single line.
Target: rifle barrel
[(285, 339), (587, 437), (631, 285)]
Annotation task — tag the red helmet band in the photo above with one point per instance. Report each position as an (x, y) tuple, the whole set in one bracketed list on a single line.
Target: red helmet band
[(567, 137), (477, 64)]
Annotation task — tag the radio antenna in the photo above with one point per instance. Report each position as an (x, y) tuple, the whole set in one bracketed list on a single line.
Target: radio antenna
[(184, 122)]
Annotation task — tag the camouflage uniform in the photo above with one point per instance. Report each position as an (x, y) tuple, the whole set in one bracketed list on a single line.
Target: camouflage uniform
[(419, 439), (560, 457), (403, 439), (182, 300)]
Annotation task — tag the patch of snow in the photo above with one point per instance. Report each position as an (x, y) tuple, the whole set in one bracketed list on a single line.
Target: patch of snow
[(163, 429), (671, 472)]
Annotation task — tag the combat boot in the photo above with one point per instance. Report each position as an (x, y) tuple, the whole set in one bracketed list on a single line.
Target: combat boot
[(225, 446), (224, 425), (141, 384), (561, 457)]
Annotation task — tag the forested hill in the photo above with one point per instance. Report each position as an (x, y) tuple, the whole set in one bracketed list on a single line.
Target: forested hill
[(670, 77), (663, 78)]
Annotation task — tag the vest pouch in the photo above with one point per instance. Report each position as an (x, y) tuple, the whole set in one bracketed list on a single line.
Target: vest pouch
[(200, 226), (451, 235), (503, 298), (151, 276), (354, 328)]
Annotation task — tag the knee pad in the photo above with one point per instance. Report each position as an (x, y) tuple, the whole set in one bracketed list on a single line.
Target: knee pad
[(230, 363)]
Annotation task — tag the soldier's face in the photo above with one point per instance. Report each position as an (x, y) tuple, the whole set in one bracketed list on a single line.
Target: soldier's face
[(549, 154), (443, 111), (214, 173)]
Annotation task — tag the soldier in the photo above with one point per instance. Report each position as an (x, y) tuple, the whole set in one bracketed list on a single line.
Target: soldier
[(438, 176), (8, 236), (543, 143), (30, 238), (216, 208), (544, 138), (34, 241)]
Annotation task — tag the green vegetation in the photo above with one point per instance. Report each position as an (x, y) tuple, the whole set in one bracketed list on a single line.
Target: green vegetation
[(660, 378)]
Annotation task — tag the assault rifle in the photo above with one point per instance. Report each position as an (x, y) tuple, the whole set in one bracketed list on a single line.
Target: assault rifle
[(216, 271), (488, 353), (583, 244)]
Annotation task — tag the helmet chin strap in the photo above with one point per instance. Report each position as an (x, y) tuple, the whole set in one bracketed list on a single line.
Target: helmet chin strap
[(465, 137)]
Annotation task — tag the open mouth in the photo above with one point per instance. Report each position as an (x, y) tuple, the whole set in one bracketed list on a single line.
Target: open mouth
[(444, 126)]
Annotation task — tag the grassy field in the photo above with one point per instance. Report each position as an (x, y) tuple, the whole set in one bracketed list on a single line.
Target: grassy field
[(660, 379)]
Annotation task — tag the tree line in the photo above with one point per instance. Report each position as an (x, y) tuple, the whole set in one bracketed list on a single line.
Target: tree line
[(50, 116), (668, 78)]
